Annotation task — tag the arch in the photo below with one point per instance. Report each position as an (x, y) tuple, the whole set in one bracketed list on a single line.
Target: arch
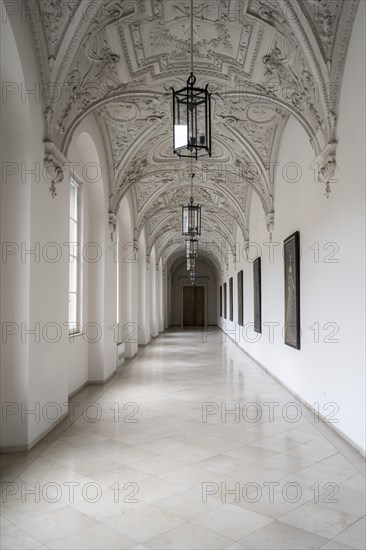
[(86, 156), (206, 276)]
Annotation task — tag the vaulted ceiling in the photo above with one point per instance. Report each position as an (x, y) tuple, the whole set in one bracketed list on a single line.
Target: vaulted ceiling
[(264, 61)]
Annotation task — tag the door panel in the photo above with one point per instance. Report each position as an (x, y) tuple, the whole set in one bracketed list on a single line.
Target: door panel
[(188, 305), (199, 305), (193, 305)]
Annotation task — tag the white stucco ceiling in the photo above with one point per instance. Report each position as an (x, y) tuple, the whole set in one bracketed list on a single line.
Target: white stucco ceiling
[(264, 60)]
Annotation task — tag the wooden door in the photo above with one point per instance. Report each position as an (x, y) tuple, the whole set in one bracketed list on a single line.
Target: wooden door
[(188, 305), (199, 305), (193, 305)]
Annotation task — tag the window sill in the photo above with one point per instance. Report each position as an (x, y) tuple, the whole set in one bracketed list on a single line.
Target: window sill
[(74, 334)]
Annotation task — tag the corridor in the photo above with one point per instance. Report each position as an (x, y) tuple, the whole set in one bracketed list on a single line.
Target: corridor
[(190, 445)]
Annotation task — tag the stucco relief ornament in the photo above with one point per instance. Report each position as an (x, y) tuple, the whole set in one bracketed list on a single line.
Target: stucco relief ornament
[(48, 116), (327, 166), (279, 76), (266, 11), (53, 19), (54, 172), (270, 224), (112, 222), (327, 171), (246, 246), (278, 68), (324, 15), (98, 80)]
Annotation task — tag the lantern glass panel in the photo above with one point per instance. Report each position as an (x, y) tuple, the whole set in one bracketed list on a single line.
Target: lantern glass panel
[(180, 135), (191, 220), (191, 247), (192, 120), (191, 263)]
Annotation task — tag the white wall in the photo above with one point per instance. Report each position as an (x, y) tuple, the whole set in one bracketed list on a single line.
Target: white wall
[(46, 366), (331, 292), (32, 286)]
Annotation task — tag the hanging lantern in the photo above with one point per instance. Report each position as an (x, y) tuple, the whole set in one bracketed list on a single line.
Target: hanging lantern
[(191, 263), (191, 219), (192, 248), (192, 120)]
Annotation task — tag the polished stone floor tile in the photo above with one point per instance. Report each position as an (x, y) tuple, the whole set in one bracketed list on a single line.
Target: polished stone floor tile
[(188, 504), (319, 519), (193, 469), (278, 535), (354, 536), (51, 526), (189, 537), (146, 523), (232, 522), (98, 537), (14, 538)]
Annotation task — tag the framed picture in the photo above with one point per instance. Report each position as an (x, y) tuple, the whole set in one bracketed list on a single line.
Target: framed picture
[(291, 254), (240, 299), (220, 300), (231, 299), (257, 294), (225, 300)]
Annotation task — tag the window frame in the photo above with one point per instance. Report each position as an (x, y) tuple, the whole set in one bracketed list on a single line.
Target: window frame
[(231, 299), (225, 300), (75, 248), (240, 292)]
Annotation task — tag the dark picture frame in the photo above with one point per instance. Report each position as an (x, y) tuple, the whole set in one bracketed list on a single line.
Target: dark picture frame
[(220, 300), (225, 301), (231, 299), (291, 255), (240, 282), (257, 295)]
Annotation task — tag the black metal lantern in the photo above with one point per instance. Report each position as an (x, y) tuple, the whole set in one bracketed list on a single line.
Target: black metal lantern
[(191, 219), (191, 263), (192, 248), (192, 120)]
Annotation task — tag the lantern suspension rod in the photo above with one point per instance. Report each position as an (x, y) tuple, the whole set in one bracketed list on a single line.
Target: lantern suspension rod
[(191, 36), (192, 176)]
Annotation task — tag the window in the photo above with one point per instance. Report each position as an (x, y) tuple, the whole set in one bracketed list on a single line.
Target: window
[(220, 300), (257, 295), (74, 260), (225, 301), (231, 299), (240, 299)]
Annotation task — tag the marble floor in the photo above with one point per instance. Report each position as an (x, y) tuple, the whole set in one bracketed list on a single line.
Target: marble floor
[(191, 445)]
